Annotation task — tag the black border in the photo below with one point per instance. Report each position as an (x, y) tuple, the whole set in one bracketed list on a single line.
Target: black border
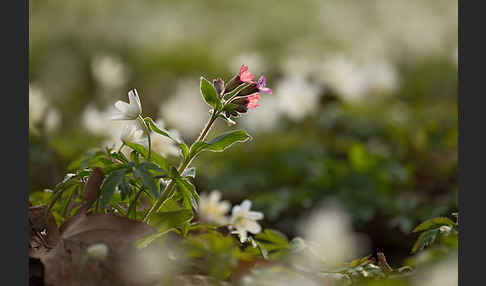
[(14, 159), (471, 146)]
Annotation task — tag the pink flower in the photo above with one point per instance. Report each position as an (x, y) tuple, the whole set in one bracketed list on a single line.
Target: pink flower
[(252, 100), (261, 84), (245, 75)]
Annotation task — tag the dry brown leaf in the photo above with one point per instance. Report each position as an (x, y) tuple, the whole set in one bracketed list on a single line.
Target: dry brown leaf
[(91, 189)]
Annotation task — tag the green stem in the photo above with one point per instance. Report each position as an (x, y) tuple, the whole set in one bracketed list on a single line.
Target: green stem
[(123, 144), (147, 131), (134, 202), (169, 188)]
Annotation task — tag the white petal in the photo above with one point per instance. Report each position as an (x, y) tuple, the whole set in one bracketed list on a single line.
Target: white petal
[(118, 116), (215, 196), (122, 106), (135, 99), (246, 205), (224, 206), (254, 215), (243, 235), (253, 226), (236, 209)]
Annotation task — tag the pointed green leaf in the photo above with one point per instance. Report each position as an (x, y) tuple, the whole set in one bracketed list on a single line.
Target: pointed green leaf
[(147, 179), (425, 239), (190, 198), (433, 223), (190, 172), (210, 95), (163, 221), (184, 150), (156, 158), (153, 126), (220, 143), (274, 237), (109, 185)]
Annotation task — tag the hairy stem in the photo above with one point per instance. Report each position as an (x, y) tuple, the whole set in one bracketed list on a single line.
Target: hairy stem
[(167, 193), (134, 202), (147, 131)]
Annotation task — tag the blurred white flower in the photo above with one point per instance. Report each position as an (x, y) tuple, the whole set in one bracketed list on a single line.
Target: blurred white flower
[(212, 209), (128, 111), (297, 97), (265, 117), (97, 251), (162, 144), (381, 76), (298, 65), (37, 104), (131, 133), (244, 220), (109, 71), (331, 238), (353, 81), (443, 274), (99, 123), (155, 262), (345, 77), (52, 120), (185, 110), (41, 111)]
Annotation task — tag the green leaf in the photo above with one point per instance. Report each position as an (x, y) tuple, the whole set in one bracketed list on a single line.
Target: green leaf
[(260, 247), (190, 198), (184, 150), (120, 156), (164, 221), (433, 223), (109, 185), (274, 237), (425, 239), (210, 95), (146, 241), (156, 158), (147, 179), (67, 201), (153, 126), (173, 173), (191, 172), (125, 189), (360, 261), (220, 143)]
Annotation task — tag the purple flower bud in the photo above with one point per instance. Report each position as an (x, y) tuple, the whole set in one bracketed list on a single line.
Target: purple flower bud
[(219, 86)]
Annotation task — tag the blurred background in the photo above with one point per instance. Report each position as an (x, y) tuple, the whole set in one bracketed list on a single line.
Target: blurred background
[(364, 109)]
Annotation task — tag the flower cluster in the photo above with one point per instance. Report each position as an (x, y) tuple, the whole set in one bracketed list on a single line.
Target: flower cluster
[(243, 220), (241, 92)]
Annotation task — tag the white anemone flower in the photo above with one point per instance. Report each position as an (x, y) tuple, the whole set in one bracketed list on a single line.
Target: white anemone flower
[(131, 133), (244, 220), (128, 111), (212, 209), (331, 238), (163, 145)]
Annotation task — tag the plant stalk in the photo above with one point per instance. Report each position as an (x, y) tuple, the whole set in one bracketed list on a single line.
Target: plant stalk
[(169, 188), (147, 131)]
